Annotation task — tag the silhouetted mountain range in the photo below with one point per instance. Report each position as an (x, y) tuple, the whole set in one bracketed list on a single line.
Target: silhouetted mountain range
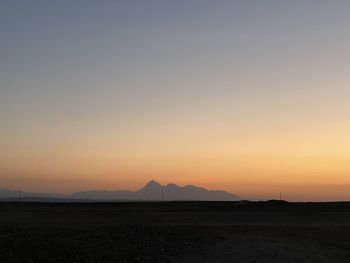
[(152, 191)]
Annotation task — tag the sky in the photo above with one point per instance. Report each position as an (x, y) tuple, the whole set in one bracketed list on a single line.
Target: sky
[(251, 97)]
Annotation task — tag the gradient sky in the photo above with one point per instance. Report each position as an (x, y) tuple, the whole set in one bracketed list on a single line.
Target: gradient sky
[(251, 97)]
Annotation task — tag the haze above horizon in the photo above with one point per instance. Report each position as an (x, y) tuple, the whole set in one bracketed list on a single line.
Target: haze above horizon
[(251, 97)]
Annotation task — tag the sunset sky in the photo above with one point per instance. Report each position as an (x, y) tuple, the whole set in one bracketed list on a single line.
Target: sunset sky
[(251, 97)]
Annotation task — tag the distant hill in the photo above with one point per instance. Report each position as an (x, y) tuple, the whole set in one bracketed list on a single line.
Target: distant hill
[(152, 191), (155, 191), (8, 193)]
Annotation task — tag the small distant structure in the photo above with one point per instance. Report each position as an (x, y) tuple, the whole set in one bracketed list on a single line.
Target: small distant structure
[(19, 194)]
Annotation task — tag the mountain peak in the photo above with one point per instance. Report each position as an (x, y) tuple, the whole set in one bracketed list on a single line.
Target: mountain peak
[(152, 184)]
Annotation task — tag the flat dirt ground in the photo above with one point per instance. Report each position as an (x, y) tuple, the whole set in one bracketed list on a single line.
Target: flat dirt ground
[(273, 231)]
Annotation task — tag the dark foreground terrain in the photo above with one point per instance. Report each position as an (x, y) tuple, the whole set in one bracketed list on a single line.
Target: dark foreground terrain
[(175, 232)]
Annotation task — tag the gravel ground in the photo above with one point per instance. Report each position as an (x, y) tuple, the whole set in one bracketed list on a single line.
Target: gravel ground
[(175, 232), (171, 243)]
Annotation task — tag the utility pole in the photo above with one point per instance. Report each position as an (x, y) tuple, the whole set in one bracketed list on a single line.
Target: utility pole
[(280, 196), (19, 194)]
